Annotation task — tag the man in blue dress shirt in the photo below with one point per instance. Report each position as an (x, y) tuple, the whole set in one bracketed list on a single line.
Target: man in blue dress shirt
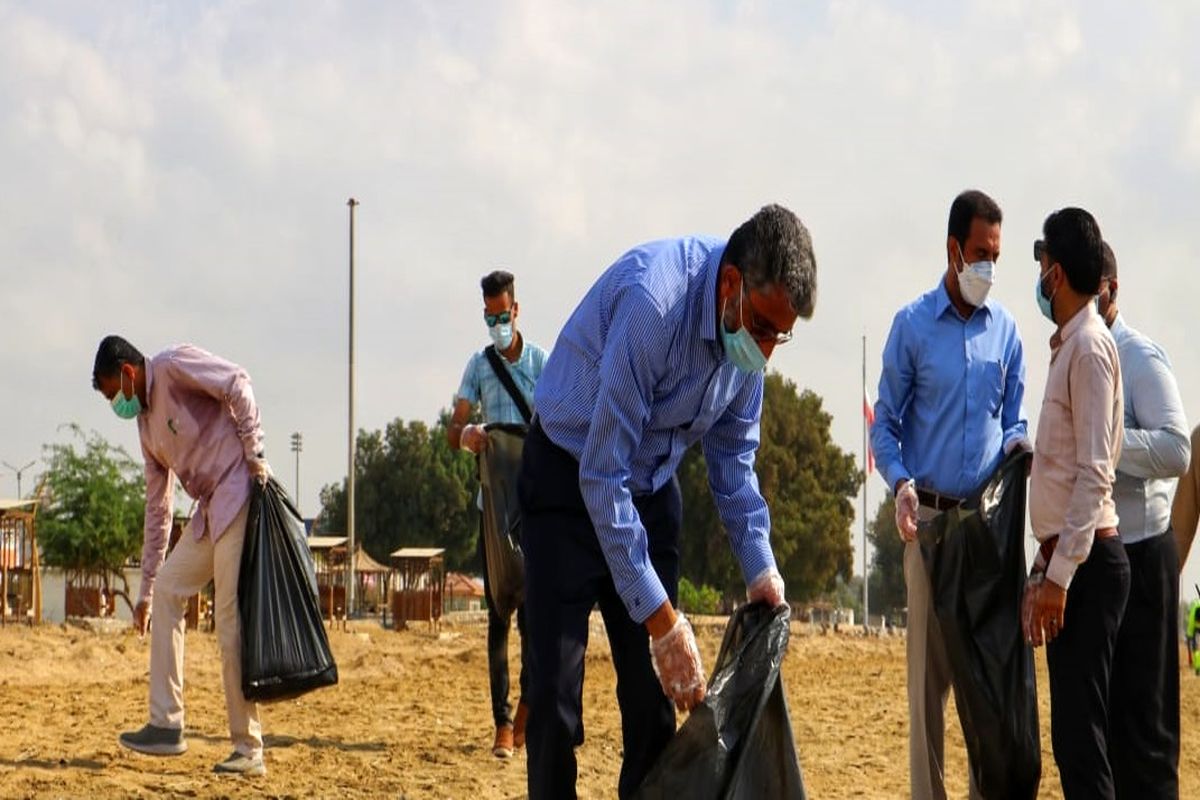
[(667, 349), (949, 407)]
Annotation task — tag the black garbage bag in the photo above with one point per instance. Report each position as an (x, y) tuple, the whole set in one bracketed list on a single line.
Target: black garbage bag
[(975, 555), (285, 652), (499, 464), (738, 743)]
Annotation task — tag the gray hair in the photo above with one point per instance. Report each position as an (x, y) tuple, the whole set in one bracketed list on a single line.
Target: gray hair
[(774, 249)]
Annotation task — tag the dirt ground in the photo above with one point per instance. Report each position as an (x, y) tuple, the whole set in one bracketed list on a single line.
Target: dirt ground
[(410, 719)]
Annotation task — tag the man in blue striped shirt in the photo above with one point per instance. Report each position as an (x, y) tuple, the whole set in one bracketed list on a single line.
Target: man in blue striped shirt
[(949, 407), (667, 349), (481, 385)]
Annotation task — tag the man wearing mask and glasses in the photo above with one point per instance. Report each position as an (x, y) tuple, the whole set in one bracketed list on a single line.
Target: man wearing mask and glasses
[(666, 350), (949, 408), (1071, 506), (500, 378)]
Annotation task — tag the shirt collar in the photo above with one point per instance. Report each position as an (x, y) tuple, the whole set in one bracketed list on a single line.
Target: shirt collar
[(1081, 318), (708, 306), (943, 304), (1119, 329), (147, 367)]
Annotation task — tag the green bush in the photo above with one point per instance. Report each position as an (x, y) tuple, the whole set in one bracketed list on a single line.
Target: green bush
[(698, 599)]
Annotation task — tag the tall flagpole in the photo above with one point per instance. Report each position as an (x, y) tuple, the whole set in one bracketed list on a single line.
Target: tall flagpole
[(866, 479), (352, 444)]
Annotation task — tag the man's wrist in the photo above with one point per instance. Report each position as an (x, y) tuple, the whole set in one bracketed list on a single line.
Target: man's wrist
[(661, 621)]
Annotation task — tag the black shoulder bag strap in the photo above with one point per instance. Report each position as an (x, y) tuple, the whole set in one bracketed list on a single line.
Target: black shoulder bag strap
[(509, 384)]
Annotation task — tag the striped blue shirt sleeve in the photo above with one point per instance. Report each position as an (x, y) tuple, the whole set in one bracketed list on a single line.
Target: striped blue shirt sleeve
[(729, 449), (634, 356)]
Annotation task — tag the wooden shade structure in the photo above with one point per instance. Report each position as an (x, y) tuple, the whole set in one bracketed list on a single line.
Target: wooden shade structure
[(20, 571), (422, 576)]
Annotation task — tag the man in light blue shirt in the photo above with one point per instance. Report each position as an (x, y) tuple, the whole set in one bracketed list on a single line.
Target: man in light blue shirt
[(949, 408), (667, 349), (1143, 736), (482, 386)]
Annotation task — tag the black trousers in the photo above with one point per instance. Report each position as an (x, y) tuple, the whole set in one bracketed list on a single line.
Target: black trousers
[(566, 575), (1080, 662), (497, 648), (1143, 737)]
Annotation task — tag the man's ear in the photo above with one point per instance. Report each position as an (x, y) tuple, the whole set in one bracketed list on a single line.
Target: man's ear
[(1113, 283)]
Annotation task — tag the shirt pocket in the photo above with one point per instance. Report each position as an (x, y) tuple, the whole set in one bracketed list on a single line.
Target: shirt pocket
[(993, 387)]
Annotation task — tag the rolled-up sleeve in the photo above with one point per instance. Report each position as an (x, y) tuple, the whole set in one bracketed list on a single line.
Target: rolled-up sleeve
[(1094, 383), (1157, 445), (160, 491), (634, 356), (729, 450), (895, 391)]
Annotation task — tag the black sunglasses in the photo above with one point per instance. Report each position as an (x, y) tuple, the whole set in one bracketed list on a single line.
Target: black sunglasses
[(1039, 247), (492, 320)]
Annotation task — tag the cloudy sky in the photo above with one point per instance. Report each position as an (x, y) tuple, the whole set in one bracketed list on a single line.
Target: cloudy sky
[(179, 172)]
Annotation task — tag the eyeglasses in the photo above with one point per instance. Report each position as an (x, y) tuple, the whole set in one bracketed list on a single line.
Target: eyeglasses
[(760, 332), (492, 320), (1039, 247)]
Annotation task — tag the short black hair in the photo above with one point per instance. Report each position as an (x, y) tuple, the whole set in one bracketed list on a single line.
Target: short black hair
[(1073, 240), (969, 205), (111, 355), (1109, 270), (773, 248), (498, 282)]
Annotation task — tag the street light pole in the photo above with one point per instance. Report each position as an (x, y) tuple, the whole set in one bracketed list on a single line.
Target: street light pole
[(297, 446), (18, 472), (350, 605)]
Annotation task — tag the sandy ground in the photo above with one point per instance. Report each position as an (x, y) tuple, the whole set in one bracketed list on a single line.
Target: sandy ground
[(410, 719)]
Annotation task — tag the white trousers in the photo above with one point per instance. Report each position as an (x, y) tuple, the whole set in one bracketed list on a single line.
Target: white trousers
[(187, 570)]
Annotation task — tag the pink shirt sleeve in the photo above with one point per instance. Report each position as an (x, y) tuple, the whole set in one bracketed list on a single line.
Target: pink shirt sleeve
[(226, 382), (160, 491)]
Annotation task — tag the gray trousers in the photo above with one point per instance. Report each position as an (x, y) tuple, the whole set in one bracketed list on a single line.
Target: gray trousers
[(929, 681)]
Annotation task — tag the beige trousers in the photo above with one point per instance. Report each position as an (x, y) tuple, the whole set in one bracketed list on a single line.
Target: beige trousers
[(929, 681), (186, 571)]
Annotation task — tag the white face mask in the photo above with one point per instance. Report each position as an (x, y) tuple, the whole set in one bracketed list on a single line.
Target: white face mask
[(975, 280)]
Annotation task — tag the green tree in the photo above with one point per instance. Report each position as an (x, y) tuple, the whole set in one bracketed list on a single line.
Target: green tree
[(888, 593), (809, 484), (92, 520), (411, 489)]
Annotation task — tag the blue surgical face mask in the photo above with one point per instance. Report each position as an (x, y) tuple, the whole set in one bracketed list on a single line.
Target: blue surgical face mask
[(1044, 303), (502, 335), (126, 407), (740, 346)]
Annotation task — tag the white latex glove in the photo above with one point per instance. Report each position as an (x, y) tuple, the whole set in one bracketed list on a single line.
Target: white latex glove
[(906, 511), (473, 438), (676, 661), (767, 587), (260, 470)]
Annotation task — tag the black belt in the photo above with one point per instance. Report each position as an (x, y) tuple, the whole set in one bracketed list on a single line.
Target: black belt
[(941, 502)]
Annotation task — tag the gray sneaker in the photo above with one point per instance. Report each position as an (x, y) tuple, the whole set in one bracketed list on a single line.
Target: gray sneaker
[(238, 764), (155, 741)]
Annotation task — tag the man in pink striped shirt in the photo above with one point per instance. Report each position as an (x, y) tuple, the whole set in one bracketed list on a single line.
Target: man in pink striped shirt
[(198, 423)]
